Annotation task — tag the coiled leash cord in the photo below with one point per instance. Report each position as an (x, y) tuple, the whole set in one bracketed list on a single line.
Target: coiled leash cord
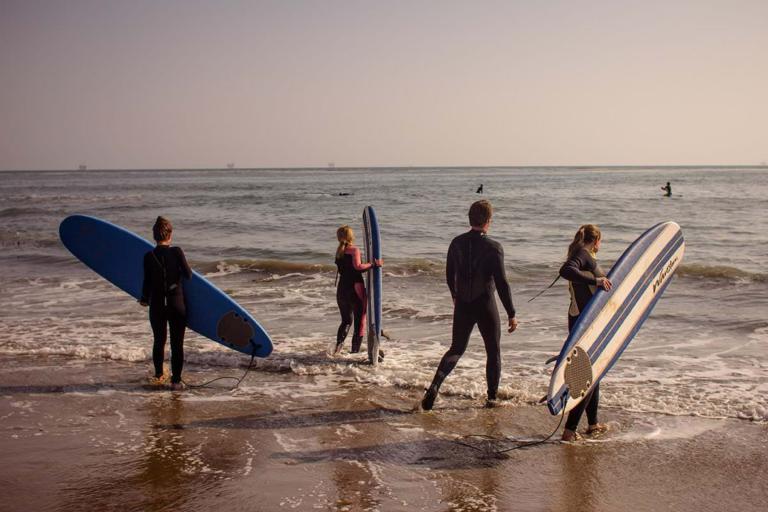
[(206, 384), (507, 440)]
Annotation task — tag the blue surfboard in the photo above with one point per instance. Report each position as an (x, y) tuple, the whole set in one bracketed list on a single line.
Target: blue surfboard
[(117, 255), (611, 319), (373, 252)]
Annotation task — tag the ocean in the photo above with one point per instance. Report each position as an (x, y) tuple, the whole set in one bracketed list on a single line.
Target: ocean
[(267, 237)]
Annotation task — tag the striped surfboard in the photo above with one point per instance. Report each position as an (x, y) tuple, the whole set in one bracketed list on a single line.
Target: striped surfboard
[(373, 252), (611, 319)]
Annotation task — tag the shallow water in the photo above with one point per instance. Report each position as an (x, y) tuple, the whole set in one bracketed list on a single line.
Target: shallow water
[(267, 238)]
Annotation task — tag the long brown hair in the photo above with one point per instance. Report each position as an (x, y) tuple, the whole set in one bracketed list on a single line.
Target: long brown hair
[(586, 234), (345, 236)]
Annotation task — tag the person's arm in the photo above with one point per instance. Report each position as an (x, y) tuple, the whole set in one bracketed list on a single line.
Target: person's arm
[(572, 269), (186, 271), (145, 286), (357, 262), (450, 271), (502, 285)]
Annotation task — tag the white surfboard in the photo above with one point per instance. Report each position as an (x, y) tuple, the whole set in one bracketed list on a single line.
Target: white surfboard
[(611, 319)]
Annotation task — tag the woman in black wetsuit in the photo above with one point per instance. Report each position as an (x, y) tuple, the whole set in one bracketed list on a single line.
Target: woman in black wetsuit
[(350, 292), (584, 276), (162, 291)]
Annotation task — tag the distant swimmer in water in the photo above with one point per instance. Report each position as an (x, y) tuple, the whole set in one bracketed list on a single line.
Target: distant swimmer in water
[(479, 189), (474, 270), (165, 268), (585, 276), (344, 193), (668, 189), (350, 292)]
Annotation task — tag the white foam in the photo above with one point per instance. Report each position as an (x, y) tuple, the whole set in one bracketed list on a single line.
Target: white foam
[(189, 397), (287, 443), (689, 372)]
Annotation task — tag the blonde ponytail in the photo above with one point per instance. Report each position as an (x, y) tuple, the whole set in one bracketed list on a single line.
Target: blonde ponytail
[(345, 236), (586, 234)]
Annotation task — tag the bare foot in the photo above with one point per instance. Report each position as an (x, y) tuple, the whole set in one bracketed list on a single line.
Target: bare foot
[(570, 435), (597, 428)]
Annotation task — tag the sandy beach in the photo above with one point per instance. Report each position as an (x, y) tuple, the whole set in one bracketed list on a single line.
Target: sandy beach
[(89, 435)]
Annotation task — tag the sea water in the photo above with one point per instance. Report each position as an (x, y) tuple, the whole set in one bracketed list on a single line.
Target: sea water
[(267, 237)]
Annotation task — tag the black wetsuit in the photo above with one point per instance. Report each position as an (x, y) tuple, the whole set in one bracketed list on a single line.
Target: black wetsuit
[(582, 271), (164, 268), (474, 270), (351, 305)]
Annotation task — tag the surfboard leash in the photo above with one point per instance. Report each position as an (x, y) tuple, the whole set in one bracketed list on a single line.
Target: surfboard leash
[(207, 384), (545, 289), (520, 444)]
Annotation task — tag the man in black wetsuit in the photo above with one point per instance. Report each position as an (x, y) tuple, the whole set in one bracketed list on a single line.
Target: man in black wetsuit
[(474, 268)]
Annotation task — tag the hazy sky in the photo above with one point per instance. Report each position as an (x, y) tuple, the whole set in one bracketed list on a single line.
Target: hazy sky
[(185, 83)]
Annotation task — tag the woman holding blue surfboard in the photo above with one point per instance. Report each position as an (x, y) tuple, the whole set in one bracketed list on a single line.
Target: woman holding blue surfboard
[(585, 276), (164, 269), (350, 293)]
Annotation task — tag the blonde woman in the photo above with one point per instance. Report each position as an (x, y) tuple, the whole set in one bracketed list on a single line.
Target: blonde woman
[(585, 276), (350, 292)]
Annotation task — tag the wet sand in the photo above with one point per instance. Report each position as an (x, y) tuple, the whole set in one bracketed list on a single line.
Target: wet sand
[(88, 435)]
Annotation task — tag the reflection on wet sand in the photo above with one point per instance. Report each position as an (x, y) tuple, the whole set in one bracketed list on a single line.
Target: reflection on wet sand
[(161, 466), (479, 489), (354, 481), (168, 461), (581, 485)]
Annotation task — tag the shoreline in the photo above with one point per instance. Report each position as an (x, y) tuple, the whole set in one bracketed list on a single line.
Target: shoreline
[(83, 434)]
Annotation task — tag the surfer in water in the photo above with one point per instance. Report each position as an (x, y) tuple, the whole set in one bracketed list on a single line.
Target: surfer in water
[(668, 189), (584, 276), (164, 268), (479, 189), (474, 270), (350, 292)]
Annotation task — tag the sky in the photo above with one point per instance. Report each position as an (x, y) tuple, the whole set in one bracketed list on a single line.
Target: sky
[(148, 84)]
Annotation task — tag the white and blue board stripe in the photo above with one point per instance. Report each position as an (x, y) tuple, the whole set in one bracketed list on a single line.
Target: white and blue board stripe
[(373, 252), (611, 319)]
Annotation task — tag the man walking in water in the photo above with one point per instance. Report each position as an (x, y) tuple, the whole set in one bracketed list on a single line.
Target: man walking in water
[(667, 189), (475, 267)]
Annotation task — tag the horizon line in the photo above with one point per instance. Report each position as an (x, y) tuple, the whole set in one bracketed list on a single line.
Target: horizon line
[(762, 165)]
